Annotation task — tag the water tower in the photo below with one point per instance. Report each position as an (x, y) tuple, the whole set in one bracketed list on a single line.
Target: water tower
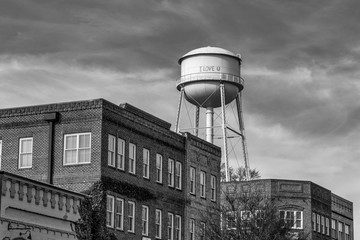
[(210, 80)]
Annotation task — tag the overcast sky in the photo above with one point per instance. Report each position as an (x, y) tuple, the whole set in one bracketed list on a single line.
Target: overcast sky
[(300, 62)]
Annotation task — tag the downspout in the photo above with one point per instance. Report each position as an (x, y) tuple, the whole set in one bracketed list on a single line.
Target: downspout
[(51, 118)]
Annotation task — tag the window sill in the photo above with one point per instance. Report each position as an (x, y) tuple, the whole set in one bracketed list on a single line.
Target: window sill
[(76, 164)]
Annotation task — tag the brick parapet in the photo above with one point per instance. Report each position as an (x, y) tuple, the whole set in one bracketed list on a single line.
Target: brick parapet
[(55, 107), (341, 206)]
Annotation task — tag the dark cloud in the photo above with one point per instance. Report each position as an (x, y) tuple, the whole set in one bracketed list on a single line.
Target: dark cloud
[(300, 64)]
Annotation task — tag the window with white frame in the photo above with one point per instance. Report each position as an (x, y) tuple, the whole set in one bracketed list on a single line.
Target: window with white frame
[(192, 229), (145, 220), (202, 230), (132, 158), (177, 227), (231, 220), (146, 163), (322, 224), (121, 154), (110, 211), (119, 213), (202, 184), (259, 216), (170, 226), (313, 221), (171, 166), (327, 226), (192, 180), (131, 216), (158, 220), (77, 148), (25, 152), (159, 165), (340, 230), (333, 229), (245, 215), (0, 152), (178, 175), (347, 232), (318, 227), (111, 150), (292, 218), (213, 187)]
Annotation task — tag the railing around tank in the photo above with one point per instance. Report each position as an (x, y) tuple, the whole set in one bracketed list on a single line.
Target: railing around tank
[(210, 76)]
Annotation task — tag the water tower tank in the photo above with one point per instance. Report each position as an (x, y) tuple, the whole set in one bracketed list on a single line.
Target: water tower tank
[(203, 69)]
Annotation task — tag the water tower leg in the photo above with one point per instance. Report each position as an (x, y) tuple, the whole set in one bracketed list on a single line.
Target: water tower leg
[(242, 131), (210, 124), (179, 110), (196, 120), (225, 151)]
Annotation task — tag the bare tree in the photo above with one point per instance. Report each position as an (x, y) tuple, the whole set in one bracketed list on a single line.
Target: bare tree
[(247, 216), (238, 174)]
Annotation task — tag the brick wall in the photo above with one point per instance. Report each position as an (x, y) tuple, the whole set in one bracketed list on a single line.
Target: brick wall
[(101, 118), (158, 140), (205, 157)]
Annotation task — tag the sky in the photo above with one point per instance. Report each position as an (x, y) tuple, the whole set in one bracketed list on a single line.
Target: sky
[(300, 64)]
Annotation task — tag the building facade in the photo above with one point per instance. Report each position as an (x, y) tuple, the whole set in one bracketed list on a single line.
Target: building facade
[(313, 211), (36, 210), (155, 180)]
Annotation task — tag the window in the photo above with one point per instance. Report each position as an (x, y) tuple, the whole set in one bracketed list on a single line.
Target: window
[(318, 222), (259, 217), (119, 214), (158, 216), (145, 220), (202, 230), (322, 224), (77, 148), (131, 216), (170, 226), (121, 154), (231, 221), (178, 175), (146, 162), (333, 229), (171, 173), (293, 219), (0, 152), (213, 188), (327, 226), (110, 211), (132, 158), (111, 150), (340, 230), (159, 164), (192, 180), (192, 229), (313, 221), (347, 232), (245, 215), (202, 184), (177, 227), (25, 152)]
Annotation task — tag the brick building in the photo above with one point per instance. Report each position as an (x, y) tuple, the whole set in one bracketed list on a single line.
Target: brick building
[(312, 209), (155, 179)]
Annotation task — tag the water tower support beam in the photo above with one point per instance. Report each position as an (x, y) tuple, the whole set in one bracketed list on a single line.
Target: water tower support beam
[(179, 110), (242, 131), (225, 153), (196, 120), (210, 124)]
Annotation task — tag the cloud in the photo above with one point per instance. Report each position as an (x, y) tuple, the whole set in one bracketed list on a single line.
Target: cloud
[(300, 64)]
